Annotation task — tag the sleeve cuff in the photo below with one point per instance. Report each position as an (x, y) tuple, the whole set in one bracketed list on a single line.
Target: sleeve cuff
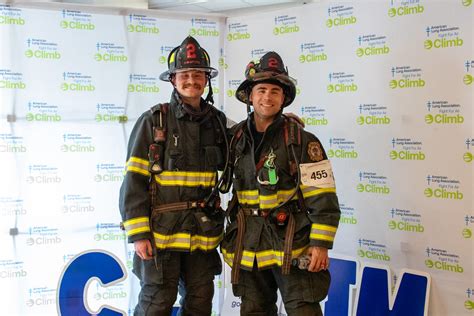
[(133, 238)]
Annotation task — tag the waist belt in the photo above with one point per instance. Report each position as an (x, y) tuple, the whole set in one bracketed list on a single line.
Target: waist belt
[(264, 213), (254, 212), (178, 206)]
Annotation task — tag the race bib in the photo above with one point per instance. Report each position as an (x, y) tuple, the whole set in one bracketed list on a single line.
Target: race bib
[(317, 174)]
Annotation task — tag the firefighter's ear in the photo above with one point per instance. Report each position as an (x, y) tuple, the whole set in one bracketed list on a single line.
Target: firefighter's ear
[(173, 80)]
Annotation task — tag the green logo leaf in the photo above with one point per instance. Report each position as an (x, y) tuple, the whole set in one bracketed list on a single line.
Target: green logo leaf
[(468, 79), (428, 44), (428, 192), (466, 233), (429, 119), (429, 263), (469, 305), (392, 225), (467, 157)]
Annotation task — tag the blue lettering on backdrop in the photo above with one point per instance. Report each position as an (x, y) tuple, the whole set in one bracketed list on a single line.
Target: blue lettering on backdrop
[(410, 297), (343, 280), (92, 264), (374, 297)]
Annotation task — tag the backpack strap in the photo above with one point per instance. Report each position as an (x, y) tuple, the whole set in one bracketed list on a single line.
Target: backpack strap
[(292, 135), (156, 149)]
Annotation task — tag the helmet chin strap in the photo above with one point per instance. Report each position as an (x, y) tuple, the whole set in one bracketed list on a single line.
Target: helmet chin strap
[(209, 99), (248, 103)]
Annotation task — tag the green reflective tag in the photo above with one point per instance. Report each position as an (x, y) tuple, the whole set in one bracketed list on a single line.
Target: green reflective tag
[(272, 177)]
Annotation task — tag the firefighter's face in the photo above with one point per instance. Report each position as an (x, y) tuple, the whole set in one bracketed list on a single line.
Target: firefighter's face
[(190, 83), (267, 99)]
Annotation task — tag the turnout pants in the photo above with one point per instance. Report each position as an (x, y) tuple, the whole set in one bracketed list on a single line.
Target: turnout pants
[(301, 291), (193, 273)]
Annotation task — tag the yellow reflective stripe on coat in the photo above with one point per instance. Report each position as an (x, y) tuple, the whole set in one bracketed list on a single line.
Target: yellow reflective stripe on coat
[(186, 178), (265, 258), (137, 225), (252, 197), (138, 165), (323, 232), (312, 191), (269, 201), (186, 242), (248, 197)]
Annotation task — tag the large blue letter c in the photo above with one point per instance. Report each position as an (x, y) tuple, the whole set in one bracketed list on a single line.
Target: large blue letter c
[(80, 270)]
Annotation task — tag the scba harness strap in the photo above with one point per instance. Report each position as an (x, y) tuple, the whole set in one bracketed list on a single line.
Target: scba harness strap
[(156, 149), (156, 161)]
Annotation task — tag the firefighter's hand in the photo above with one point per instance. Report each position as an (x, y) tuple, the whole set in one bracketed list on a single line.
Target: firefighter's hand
[(319, 259), (143, 249)]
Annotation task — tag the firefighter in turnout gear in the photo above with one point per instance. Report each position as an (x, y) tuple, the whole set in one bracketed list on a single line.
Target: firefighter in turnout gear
[(286, 205), (169, 199)]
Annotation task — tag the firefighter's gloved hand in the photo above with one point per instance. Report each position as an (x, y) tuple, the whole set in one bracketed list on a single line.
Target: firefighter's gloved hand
[(143, 249)]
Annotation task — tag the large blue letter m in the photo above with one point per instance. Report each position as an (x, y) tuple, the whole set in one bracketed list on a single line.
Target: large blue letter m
[(375, 297)]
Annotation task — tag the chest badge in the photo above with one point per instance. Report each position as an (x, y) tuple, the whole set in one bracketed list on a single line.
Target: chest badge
[(315, 152)]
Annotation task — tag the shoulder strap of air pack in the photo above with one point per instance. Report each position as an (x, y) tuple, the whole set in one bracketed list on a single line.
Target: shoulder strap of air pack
[(156, 149)]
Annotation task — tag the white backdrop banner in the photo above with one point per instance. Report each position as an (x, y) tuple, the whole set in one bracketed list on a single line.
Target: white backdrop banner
[(386, 86)]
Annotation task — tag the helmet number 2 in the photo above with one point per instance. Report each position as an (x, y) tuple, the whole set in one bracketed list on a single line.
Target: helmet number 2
[(191, 51), (272, 63)]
